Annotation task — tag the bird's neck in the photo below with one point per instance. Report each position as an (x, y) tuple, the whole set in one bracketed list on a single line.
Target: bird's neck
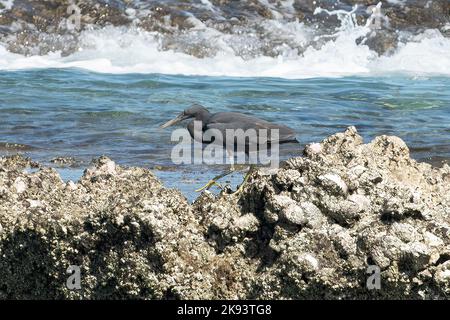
[(203, 116)]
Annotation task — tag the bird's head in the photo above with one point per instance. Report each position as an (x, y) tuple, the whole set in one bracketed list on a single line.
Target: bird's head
[(195, 111)]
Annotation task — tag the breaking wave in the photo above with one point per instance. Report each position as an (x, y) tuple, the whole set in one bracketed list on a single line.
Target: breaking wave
[(301, 52)]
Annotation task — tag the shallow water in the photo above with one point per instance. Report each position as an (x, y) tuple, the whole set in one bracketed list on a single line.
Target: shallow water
[(104, 90), (69, 112)]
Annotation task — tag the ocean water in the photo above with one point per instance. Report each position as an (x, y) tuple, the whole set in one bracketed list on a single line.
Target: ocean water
[(82, 114), (110, 97)]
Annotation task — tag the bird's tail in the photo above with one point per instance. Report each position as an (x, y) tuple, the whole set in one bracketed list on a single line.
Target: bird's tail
[(293, 140)]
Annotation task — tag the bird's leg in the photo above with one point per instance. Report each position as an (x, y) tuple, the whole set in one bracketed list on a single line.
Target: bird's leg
[(233, 168), (213, 181), (231, 159), (247, 176)]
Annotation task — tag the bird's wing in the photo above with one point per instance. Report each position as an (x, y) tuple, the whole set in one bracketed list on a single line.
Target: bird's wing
[(223, 127), (234, 121)]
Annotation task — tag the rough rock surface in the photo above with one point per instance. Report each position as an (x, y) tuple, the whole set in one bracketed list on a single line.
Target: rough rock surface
[(131, 237), (309, 230)]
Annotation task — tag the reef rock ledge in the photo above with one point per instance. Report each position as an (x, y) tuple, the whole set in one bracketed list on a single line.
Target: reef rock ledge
[(346, 221)]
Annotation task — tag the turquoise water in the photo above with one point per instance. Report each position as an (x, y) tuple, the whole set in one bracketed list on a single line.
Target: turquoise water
[(68, 112)]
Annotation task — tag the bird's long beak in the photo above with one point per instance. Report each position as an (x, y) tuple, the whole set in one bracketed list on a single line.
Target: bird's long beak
[(179, 118)]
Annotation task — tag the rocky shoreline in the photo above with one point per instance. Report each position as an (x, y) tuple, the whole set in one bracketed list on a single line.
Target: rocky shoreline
[(31, 27), (309, 230)]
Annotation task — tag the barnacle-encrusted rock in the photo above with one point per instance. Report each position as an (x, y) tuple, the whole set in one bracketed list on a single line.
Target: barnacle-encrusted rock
[(131, 237), (374, 205), (310, 229)]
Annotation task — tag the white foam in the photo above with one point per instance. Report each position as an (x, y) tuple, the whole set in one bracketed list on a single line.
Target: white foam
[(208, 5), (427, 54), (7, 5), (397, 2), (120, 50)]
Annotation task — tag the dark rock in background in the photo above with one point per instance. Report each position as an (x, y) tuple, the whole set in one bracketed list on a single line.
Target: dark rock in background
[(39, 27)]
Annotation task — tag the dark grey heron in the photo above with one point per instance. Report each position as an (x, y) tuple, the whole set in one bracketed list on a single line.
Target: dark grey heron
[(223, 121)]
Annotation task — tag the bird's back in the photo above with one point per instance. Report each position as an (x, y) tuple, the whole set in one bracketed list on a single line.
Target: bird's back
[(236, 120)]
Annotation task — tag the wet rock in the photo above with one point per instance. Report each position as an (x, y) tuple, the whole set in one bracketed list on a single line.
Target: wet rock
[(383, 42), (66, 161), (14, 147), (17, 162), (39, 27)]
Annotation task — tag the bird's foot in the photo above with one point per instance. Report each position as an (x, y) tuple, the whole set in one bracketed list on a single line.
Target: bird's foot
[(244, 182), (239, 190), (213, 181)]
